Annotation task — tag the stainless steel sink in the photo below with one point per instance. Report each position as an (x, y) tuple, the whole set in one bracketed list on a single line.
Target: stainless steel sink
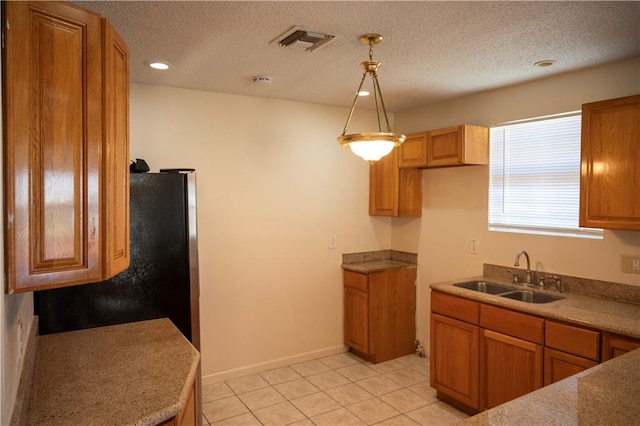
[(531, 297), (483, 287)]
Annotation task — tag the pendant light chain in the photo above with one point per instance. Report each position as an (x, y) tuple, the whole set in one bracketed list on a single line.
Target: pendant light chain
[(371, 146)]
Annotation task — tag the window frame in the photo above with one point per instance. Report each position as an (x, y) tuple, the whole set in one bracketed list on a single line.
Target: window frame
[(500, 186)]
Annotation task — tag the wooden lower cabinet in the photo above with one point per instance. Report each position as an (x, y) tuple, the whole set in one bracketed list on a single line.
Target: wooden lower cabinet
[(379, 313), (511, 367), (560, 365), (614, 345), (568, 350), (356, 320), (455, 347)]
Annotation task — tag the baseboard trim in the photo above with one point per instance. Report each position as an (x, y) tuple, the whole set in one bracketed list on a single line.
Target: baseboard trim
[(23, 395), (270, 365)]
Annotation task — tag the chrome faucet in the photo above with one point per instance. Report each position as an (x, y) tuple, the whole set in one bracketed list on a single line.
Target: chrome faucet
[(517, 263)]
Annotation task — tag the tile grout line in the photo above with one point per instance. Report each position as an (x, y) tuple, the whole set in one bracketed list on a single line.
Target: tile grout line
[(408, 367)]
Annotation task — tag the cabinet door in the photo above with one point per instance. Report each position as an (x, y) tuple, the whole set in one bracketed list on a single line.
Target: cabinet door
[(560, 365), (384, 178), (511, 367), (392, 314), (356, 319), (613, 346), (394, 191), (444, 147), (413, 152), (610, 164), (52, 145), (115, 150), (455, 359)]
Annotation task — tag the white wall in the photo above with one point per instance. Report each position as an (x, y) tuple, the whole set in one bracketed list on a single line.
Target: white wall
[(455, 199), (16, 317), (273, 185)]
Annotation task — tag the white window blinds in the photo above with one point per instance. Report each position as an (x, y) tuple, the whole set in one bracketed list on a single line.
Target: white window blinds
[(534, 177)]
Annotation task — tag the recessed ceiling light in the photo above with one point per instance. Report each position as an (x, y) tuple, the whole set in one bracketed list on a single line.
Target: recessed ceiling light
[(159, 65), (544, 64), (363, 93)]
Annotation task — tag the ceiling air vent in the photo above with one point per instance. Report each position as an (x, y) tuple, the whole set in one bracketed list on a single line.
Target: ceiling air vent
[(301, 38)]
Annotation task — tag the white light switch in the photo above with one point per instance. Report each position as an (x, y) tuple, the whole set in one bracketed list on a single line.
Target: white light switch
[(332, 241)]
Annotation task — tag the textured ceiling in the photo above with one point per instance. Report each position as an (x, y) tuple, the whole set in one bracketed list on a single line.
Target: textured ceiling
[(432, 50)]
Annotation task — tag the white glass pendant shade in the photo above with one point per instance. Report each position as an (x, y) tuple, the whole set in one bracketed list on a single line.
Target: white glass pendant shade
[(371, 146)]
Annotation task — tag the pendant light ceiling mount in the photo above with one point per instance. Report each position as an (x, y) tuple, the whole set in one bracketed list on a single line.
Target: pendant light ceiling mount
[(371, 145)]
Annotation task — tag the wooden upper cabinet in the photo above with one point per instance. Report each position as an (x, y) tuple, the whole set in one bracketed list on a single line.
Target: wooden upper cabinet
[(453, 146), (456, 146), (413, 151), (55, 158), (115, 149), (610, 164), (393, 191)]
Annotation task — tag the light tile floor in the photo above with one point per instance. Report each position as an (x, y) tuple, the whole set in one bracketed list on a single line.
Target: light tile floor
[(337, 390)]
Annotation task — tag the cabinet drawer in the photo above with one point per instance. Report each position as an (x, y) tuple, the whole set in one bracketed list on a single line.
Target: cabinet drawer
[(455, 307), (356, 280), (512, 323), (614, 345), (559, 365), (574, 340)]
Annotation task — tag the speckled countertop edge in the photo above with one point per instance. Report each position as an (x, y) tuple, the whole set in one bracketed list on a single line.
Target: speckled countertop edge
[(376, 261), (606, 394), (603, 314), (136, 373)]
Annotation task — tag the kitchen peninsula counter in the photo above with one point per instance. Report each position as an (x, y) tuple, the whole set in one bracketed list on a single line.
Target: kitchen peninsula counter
[(606, 394), (137, 373)]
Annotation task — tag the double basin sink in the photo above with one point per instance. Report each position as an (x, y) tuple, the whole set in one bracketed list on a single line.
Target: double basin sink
[(508, 292)]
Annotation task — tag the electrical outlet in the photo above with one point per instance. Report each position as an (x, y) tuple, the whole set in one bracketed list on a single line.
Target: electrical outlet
[(630, 264), (474, 245), (332, 241)]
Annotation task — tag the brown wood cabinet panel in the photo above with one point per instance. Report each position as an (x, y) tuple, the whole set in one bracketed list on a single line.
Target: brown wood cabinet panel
[(610, 164), (392, 314), (512, 323), (393, 191), (52, 145), (455, 348), (560, 365), (356, 319), (458, 145), (66, 147), (413, 152), (574, 340), (510, 367), (384, 180), (379, 323), (614, 345), (356, 280), (115, 150), (455, 307)]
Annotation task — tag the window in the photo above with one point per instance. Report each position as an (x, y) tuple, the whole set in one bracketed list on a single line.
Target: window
[(534, 177)]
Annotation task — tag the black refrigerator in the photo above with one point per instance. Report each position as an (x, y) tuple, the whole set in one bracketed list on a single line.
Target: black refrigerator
[(162, 278)]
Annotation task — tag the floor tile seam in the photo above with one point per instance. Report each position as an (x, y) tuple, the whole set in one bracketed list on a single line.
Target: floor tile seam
[(250, 390), (345, 406), (399, 413)]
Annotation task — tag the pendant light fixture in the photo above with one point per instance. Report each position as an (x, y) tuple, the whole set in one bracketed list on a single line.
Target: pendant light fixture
[(373, 145)]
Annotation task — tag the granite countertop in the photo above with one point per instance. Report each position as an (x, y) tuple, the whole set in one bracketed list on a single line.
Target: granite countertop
[(377, 261), (129, 374), (606, 394), (604, 314)]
